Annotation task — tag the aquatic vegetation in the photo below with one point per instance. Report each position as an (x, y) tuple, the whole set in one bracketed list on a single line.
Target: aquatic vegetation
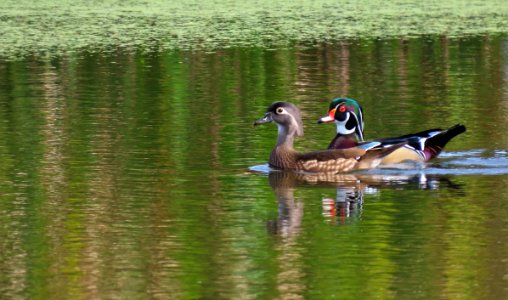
[(52, 27)]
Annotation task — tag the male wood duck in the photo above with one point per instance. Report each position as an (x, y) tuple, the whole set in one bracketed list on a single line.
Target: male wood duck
[(285, 157), (421, 146)]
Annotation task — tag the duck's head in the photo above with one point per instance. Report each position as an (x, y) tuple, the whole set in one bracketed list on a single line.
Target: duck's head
[(286, 116), (348, 117)]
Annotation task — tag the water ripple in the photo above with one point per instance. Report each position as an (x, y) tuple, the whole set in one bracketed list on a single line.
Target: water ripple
[(472, 162)]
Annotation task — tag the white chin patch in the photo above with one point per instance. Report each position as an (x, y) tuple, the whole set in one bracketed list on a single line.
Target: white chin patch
[(341, 127)]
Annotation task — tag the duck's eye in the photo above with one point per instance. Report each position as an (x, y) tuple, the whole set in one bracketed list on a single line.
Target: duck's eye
[(279, 110), (342, 108)]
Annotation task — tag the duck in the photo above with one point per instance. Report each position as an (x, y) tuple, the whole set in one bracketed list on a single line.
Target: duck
[(421, 146), (287, 117)]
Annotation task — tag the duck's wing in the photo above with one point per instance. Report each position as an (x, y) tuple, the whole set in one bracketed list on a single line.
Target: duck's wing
[(426, 144), (330, 161), (367, 155)]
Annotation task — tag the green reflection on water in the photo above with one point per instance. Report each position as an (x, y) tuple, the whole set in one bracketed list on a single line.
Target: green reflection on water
[(125, 175)]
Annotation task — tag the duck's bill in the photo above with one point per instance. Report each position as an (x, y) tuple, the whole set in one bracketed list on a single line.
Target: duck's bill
[(330, 117), (326, 119), (266, 119)]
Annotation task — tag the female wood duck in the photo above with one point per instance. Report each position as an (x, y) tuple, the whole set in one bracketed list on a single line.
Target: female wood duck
[(421, 146), (283, 156)]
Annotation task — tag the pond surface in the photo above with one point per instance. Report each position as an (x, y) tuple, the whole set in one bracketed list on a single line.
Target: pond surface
[(140, 175)]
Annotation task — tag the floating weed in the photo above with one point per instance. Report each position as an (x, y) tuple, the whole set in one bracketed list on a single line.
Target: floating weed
[(59, 26)]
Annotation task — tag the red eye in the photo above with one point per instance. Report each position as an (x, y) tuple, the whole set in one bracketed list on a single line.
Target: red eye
[(342, 109)]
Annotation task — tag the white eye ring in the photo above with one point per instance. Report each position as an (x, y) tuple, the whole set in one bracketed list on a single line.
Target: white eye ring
[(279, 110)]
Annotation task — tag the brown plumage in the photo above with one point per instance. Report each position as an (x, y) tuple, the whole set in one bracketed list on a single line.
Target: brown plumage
[(283, 156)]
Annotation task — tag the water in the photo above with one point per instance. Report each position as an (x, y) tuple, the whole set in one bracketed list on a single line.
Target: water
[(131, 175)]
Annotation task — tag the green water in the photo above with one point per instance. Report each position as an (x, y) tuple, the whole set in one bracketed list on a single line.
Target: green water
[(130, 169), (126, 175)]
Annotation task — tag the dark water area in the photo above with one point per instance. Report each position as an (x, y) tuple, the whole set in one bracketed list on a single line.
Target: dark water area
[(140, 175)]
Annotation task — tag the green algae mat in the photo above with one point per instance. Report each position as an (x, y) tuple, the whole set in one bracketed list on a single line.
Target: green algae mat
[(56, 27)]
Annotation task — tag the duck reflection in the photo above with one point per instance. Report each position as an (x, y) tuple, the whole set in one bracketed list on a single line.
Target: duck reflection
[(345, 208), (290, 212), (350, 189), (347, 203)]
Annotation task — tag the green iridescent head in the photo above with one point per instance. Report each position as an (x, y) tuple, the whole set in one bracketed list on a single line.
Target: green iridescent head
[(348, 117)]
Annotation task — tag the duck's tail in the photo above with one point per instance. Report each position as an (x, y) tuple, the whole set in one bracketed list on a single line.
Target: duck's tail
[(435, 144)]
